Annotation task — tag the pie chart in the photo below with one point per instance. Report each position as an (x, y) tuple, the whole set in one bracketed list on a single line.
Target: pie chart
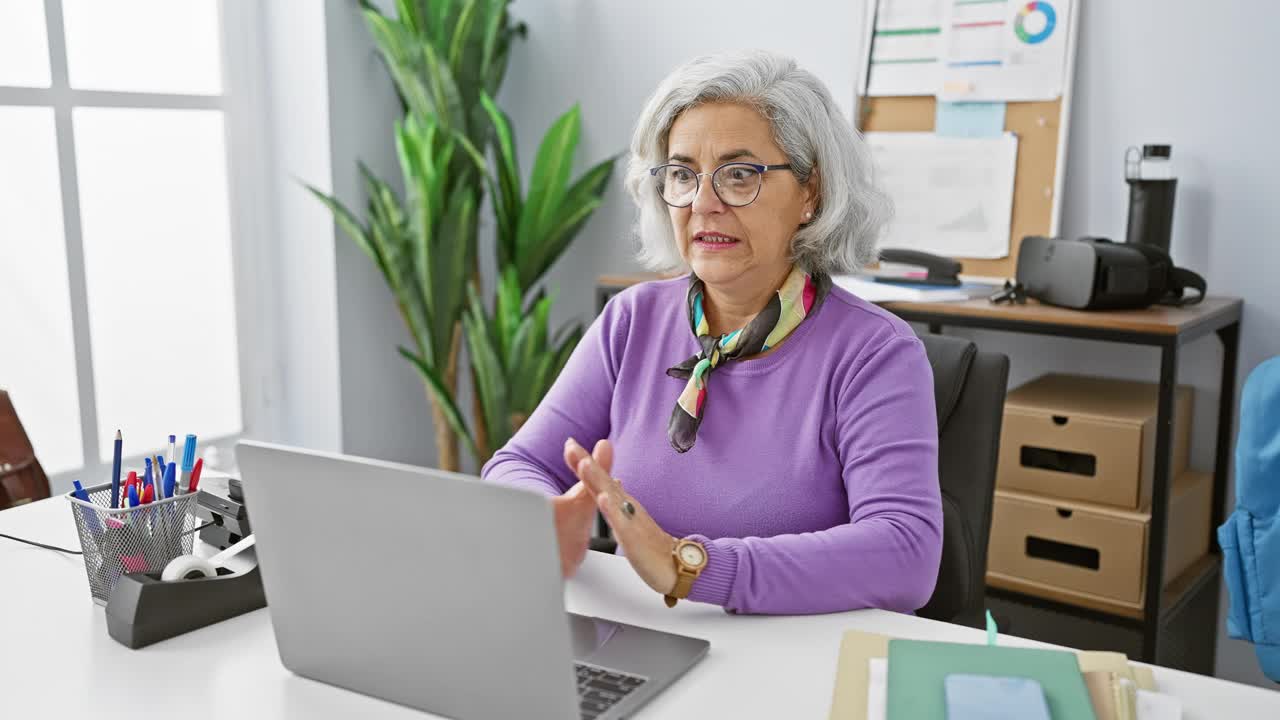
[(1034, 22)]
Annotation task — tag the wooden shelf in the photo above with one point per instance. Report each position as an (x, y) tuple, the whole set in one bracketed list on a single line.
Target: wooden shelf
[(1155, 320)]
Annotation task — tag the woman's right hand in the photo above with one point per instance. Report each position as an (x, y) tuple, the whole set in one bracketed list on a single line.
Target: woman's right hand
[(575, 511)]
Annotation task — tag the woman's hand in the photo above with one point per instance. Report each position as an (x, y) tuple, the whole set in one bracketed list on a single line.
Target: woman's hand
[(575, 511), (646, 546)]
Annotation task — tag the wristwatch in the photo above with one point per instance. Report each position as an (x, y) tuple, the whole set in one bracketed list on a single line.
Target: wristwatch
[(690, 559)]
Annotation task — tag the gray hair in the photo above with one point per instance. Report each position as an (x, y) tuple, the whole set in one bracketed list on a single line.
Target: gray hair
[(808, 127)]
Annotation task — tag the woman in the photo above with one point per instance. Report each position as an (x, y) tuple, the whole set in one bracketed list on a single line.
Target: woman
[(761, 440)]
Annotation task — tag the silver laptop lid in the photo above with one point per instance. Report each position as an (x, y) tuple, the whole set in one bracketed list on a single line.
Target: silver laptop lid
[(421, 587)]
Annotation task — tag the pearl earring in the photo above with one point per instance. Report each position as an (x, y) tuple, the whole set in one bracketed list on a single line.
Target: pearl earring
[(808, 215)]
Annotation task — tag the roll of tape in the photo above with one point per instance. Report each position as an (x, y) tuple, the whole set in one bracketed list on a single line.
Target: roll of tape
[(188, 567)]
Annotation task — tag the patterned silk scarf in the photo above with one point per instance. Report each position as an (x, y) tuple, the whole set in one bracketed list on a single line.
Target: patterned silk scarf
[(799, 296)]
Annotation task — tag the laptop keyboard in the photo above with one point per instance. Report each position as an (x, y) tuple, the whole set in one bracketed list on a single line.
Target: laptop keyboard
[(600, 689)]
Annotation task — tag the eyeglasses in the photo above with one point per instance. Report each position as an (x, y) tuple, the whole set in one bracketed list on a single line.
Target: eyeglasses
[(736, 184)]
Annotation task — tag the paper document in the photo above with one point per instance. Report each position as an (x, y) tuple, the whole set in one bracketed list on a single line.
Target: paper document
[(1157, 706), (877, 688), (876, 292), (1011, 51), (906, 47), (951, 196)]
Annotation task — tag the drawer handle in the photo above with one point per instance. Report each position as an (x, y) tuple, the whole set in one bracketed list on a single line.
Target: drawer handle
[(1061, 461), (1065, 513), (1059, 419), (1066, 553)]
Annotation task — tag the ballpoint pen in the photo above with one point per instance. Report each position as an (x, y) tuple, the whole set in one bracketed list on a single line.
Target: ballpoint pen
[(146, 473), (173, 448), (188, 463), (90, 514), (133, 496), (170, 478), (115, 471)]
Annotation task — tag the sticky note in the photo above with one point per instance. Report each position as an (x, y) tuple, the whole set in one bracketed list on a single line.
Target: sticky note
[(969, 119)]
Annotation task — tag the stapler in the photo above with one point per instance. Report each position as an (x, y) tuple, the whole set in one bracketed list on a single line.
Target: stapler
[(933, 269)]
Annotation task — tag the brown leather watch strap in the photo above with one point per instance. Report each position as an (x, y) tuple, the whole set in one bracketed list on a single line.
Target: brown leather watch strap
[(684, 585)]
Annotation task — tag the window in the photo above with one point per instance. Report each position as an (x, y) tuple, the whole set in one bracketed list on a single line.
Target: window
[(117, 226)]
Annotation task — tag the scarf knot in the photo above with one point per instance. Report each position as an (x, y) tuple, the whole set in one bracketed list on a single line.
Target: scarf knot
[(799, 296)]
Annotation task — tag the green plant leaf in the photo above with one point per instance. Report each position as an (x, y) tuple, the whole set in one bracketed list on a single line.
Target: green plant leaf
[(547, 185), (401, 54), (435, 385), (544, 254), (352, 227), (495, 22), (444, 91), (490, 381), (507, 202), (457, 239), (410, 13), (590, 186), (507, 308)]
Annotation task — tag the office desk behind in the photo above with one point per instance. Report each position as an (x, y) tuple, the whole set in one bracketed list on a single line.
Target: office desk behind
[(56, 659)]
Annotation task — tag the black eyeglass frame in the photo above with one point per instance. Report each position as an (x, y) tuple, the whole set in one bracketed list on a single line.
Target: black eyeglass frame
[(697, 181)]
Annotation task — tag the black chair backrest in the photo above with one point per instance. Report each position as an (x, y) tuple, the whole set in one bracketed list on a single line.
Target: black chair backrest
[(969, 389)]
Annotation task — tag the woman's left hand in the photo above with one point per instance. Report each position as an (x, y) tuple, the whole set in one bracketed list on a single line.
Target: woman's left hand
[(647, 546)]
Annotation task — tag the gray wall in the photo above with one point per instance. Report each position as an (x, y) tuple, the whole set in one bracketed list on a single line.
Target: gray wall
[(295, 113), (1199, 76), (385, 412), (328, 104)]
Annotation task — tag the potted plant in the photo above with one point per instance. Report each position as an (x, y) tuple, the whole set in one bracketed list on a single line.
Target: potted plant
[(447, 60)]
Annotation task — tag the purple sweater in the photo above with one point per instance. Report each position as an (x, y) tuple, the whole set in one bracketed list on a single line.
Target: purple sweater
[(813, 483)]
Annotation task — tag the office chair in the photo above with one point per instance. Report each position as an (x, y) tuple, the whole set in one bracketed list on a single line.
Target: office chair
[(969, 389)]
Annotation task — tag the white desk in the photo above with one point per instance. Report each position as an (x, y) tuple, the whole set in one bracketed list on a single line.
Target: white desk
[(56, 659)]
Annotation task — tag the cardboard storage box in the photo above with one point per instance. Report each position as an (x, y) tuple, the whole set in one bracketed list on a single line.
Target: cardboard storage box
[(1093, 555), (1086, 438)]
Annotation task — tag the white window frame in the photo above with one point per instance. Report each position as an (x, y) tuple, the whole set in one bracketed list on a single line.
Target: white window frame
[(253, 263)]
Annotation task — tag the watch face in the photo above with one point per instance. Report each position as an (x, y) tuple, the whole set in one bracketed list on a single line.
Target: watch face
[(692, 554)]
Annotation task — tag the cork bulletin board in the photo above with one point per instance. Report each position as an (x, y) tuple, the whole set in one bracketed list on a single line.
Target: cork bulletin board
[(1037, 126), (1041, 128)]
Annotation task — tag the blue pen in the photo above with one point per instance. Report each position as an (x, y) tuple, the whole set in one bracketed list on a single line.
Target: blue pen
[(115, 471), (188, 463), (90, 515), (173, 448), (170, 478), (133, 496)]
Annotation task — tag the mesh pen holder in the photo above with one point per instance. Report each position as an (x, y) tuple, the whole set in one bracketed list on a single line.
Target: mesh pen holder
[(130, 540)]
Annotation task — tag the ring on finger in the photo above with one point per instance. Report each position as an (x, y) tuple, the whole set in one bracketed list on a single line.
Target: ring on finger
[(628, 508)]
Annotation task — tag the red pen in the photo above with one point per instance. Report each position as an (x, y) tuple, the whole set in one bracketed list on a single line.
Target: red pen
[(195, 475), (149, 494)]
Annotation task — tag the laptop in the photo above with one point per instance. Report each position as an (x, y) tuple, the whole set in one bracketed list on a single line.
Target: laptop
[(437, 591)]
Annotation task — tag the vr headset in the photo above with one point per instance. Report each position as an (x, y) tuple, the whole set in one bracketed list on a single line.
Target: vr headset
[(1097, 274)]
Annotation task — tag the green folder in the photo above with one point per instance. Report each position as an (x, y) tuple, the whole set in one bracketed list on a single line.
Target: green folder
[(917, 670)]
